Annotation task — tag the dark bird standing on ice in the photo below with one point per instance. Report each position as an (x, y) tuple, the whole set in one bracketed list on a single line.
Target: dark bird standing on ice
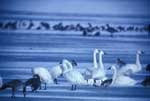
[(34, 82), (14, 85)]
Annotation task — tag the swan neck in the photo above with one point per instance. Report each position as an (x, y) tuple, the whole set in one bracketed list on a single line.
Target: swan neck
[(67, 66), (101, 61), (137, 59), (114, 75), (95, 60)]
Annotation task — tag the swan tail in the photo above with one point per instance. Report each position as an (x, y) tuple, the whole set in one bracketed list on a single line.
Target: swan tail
[(139, 81)]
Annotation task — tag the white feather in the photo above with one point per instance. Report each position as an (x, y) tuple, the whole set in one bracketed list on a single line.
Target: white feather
[(56, 71), (72, 75), (1, 82), (44, 74)]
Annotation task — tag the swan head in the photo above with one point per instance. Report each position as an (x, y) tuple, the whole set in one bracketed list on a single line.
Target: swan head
[(112, 67), (140, 52), (102, 52), (96, 50), (74, 63)]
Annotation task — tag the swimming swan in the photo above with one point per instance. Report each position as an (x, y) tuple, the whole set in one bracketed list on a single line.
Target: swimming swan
[(44, 74), (72, 75)]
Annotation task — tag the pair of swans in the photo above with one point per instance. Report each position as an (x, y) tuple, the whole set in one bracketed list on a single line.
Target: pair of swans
[(97, 72), (72, 75), (128, 69), (121, 76), (119, 79)]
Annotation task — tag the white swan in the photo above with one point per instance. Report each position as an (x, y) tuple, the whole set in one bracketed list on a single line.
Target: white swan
[(72, 75), (1, 82), (44, 74), (99, 73), (88, 71), (121, 80), (132, 68), (56, 71)]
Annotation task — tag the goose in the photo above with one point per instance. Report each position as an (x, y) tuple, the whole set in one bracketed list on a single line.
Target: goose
[(34, 82), (72, 75), (14, 85), (121, 80), (44, 74), (1, 82), (148, 67), (120, 63), (132, 68), (146, 81), (56, 71), (111, 29)]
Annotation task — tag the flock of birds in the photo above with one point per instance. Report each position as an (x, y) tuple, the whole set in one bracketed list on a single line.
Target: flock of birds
[(89, 30), (92, 76)]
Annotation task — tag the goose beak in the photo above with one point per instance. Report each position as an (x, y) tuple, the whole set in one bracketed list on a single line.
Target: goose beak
[(109, 68), (105, 53), (142, 52)]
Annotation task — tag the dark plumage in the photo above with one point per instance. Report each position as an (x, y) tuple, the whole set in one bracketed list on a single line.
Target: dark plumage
[(34, 83), (45, 25), (148, 67), (106, 83), (111, 30), (14, 85), (10, 25), (120, 28), (120, 63), (73, 62), (146, 81)]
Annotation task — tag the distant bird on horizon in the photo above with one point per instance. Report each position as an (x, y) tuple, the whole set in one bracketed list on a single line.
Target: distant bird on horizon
[(111, 30)]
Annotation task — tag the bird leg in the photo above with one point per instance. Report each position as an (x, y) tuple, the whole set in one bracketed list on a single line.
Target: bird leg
[(45, 86), (55, 80), (75, 87), (13, 93), (72, 87), (40, 86)]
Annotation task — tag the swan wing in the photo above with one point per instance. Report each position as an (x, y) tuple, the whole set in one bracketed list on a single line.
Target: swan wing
[(98, 73), (44, 74), (75, 77), (56, 71), (128, 69), (124, 81)]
